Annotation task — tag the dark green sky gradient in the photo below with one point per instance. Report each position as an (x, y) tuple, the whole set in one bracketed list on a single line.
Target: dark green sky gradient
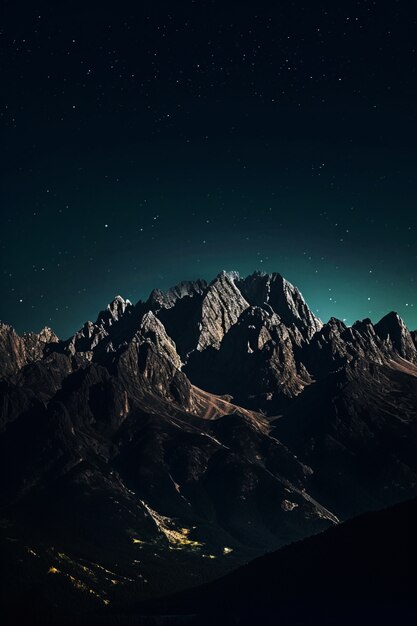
[(318, 183)]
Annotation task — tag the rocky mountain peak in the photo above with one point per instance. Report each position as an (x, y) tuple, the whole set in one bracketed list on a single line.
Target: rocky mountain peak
[(285, 299), (392, 329), (47, 335), (230, 274), (113, 312), (364, 324), (221, 307), (12, 350), (17, 351), (166, 299), (117, 307), (150, 365), (334, 325), (152, 330), (256, 288)]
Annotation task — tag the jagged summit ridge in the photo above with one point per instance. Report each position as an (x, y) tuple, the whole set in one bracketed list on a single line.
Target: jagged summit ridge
[(166, 299), (393, 330), (198, 316)]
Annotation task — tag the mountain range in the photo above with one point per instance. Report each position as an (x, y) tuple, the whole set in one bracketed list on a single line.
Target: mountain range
[(171, 441)]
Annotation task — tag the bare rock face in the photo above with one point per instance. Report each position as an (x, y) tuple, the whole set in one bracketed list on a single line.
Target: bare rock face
[(221, 307), (167, 299), (209, 310), (395, 333), (286, 347), (12, 350), (290, 305), (365, 342), (86, 339), (258, 326), (114, 312), (335, 345), (327, 351), (264, 373), (151, 363), (16, 351), (116, 325), (179, 309), (283, 298), (153, 332), (146, 361)]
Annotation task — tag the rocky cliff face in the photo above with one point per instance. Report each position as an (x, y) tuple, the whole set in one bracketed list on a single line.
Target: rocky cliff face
[(166, 299), (284, 299), (392, 330), (16, 351), (171, 440)]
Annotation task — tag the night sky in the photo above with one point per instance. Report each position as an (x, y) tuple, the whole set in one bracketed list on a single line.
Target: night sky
[(144, 143)]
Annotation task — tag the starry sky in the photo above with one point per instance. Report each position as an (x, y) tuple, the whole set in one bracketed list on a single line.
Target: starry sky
[(144, 143)]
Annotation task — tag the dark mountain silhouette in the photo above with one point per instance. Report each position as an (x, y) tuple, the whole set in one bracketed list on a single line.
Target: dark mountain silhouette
[(171, 441)]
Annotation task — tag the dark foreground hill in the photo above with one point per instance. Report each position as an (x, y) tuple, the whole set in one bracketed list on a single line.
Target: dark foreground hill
[(361, 572)]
